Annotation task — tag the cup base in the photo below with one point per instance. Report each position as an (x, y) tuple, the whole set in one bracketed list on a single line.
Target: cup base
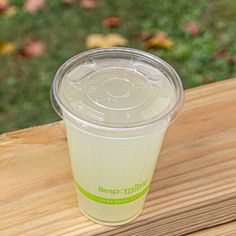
[(110, 223)]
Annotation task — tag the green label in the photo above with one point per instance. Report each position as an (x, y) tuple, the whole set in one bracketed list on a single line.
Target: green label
[(116, 201), (125, 191)]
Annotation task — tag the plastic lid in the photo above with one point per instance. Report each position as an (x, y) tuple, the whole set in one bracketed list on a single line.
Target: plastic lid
[(116, 88)]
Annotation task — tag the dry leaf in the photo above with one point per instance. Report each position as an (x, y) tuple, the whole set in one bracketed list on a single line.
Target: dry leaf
[(7, 48), (111, 21), (220, 53), (32, 6), (11, 11), (33, 48), (208, 79), (88, 4), (232, 59), (6, 9), (159, 40), (94, 40), (143, 36), (104, 41), (192, 28), (69, 1), (4, 5), (115, 40)]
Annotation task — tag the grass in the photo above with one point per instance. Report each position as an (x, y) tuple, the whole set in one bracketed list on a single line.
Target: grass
[(25, 83)]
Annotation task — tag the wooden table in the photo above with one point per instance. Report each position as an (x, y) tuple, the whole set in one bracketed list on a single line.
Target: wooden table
[(194, 186)]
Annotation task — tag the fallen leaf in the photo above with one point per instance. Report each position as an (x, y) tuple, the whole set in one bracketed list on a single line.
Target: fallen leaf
[(143, 36), (32, 6), (4, 5), (232, 59), (208, 79), (69, 1), (88, 4), (159, 40), (94, 40), (192, 28), (111, 21), (104, 41), (11, 11), (7, 48), (33, 48), (220, 53), (115, 40)]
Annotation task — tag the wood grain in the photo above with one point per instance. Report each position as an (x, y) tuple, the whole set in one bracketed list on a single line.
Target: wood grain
[(194, 186), (228, 229)]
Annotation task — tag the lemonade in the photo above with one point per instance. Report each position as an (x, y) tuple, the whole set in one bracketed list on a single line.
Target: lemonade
[(112, 108)]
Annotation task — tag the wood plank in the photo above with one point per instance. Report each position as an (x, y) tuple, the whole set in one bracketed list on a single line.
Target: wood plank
[(228, 229), (194, 186)]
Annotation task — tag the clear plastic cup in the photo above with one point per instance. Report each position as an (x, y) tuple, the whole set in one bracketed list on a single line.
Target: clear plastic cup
[(117, 104)]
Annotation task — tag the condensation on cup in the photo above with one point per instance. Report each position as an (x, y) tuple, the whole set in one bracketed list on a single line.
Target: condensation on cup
[(117, 104)]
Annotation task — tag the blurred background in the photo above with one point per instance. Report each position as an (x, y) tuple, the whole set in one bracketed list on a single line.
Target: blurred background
[(197, 37)]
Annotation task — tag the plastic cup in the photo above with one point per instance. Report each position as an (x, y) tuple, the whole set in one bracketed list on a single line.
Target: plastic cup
[(117, 104)]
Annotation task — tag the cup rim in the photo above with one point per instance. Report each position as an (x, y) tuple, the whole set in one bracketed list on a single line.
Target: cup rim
[(61, 109)]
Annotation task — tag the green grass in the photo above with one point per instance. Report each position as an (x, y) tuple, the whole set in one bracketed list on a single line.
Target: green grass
[(25, 83)]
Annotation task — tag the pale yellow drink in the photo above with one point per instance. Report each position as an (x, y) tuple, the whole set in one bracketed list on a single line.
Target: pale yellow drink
[(113, 151)]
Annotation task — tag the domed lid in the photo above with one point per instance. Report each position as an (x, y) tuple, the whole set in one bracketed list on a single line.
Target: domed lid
[(117, 88)]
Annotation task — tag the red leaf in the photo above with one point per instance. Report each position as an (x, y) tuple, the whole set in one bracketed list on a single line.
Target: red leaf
[(32, 6), (88, 4), (33, 48), (220, 53), (111, 21), (4, 5), (192, 28)]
